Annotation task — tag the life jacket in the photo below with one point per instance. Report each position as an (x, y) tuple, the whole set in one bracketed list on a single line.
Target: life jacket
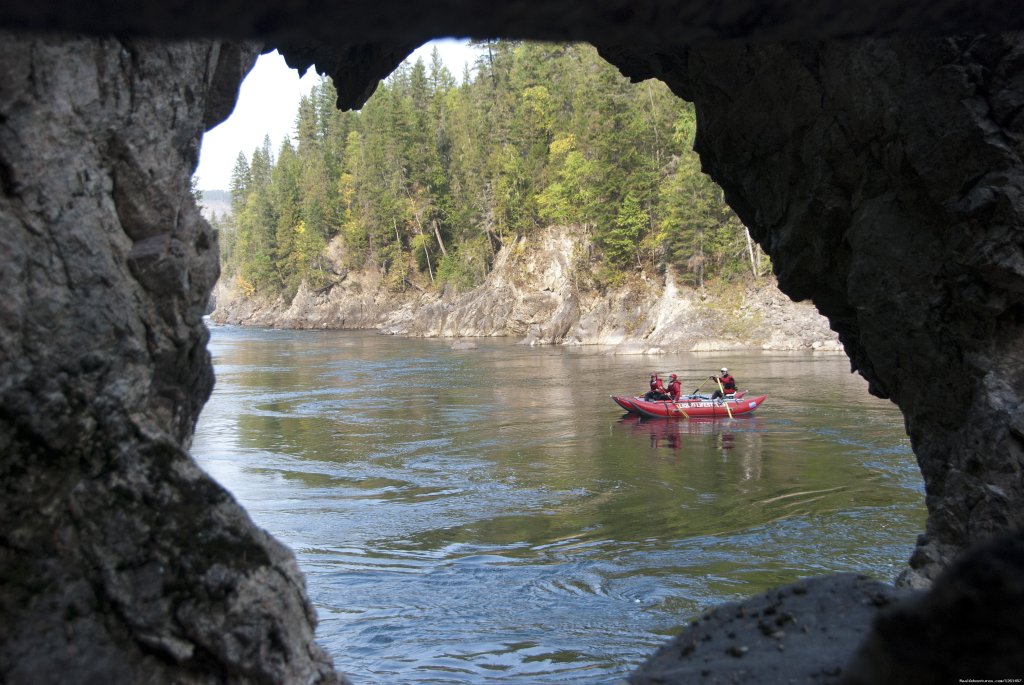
[(675, 389), (728, 384)]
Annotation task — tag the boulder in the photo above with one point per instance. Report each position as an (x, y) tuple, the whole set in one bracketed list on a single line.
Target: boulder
[(120, 560)]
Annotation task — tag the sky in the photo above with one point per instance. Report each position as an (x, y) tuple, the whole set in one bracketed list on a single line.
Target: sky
[(268, 101)]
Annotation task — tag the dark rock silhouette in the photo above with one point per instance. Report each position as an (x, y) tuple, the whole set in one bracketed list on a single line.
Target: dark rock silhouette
[(877, 161), (785, 635), (885, 180), (120, 560), (967, 628)]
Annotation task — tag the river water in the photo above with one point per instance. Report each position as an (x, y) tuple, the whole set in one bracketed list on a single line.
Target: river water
[(490, 516)]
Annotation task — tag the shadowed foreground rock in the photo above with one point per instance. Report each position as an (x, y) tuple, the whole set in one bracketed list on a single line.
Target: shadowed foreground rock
[(120, 560), (786, 635), (847, 630), (968, 627)]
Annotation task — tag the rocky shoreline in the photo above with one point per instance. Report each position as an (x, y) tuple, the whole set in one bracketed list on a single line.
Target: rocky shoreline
[(536, 293)]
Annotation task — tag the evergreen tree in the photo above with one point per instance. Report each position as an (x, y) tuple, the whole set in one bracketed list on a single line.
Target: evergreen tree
[(241, 177), (431, 177)]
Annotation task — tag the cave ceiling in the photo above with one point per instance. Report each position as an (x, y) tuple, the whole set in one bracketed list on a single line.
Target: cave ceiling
[(359, 43)]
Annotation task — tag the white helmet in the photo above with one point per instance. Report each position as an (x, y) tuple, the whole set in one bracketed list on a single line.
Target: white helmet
[(725, 370)]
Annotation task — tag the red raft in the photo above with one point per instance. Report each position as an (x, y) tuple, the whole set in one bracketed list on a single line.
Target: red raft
[(690, 405), (627, 402)]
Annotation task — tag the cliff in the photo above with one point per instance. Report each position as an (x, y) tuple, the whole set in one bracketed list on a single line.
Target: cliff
[(539, 290)]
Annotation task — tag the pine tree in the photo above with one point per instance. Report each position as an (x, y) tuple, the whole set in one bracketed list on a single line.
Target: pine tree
[(431, 177), (241, 177)]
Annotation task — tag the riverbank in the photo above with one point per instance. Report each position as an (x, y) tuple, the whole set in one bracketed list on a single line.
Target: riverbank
[(538, 292)]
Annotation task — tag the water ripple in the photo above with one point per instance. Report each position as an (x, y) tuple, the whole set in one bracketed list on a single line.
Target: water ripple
[(489, 517)]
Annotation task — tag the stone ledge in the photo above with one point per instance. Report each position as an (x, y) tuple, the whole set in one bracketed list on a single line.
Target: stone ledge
[(804, 632)]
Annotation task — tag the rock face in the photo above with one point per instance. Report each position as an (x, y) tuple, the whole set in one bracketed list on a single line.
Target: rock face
[(887, 182), (848, 630), (358, 43), (120, 560), (967, 628), (785, 635), (884, 178), (536, 292)]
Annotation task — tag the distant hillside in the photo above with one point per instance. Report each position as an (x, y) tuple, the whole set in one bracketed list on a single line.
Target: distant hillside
[(215, 202), (433, 177)]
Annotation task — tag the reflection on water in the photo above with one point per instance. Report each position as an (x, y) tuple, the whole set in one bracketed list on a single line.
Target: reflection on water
[(670, 433), (490, 515)]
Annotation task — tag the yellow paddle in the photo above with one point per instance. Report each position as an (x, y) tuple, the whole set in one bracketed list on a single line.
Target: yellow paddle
[(680, 409), (725, 401)]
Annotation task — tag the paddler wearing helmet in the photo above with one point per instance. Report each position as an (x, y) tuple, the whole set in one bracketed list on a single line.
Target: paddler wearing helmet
[(728, 384)]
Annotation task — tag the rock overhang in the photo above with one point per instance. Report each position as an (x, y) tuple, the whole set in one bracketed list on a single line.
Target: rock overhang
[(358, 43)]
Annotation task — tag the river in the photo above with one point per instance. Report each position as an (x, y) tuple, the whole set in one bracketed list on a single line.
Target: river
[(489, 515)]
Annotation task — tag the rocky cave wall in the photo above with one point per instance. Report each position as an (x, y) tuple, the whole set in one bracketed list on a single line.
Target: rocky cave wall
[(120, 560), (883, 176)]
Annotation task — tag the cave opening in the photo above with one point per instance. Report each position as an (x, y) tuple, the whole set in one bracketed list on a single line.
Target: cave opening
[(460, 541)]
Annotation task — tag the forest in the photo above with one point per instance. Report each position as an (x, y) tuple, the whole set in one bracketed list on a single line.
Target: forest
[(433, 176)]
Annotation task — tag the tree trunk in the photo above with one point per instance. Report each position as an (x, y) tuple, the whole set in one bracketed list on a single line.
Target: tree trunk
[(437, 233), (750, 251), (430, 270)]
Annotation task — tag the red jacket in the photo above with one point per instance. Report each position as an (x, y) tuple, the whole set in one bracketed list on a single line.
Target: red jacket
[(675, 389), (728, 383), (656, 384)]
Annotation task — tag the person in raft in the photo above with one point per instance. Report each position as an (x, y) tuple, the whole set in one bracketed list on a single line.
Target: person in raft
[(728, 384), (657, 391), (675, 388)]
